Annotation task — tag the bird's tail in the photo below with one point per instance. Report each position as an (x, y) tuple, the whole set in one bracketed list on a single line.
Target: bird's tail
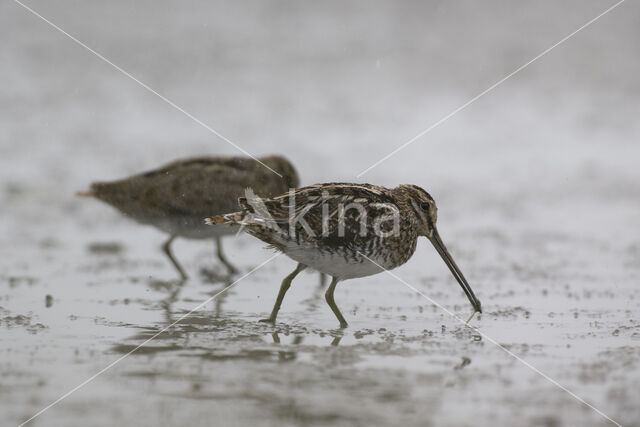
[(244, 217), (95, 190), (231, 218)]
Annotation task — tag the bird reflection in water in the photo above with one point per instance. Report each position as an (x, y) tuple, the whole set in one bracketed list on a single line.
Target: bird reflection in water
[(179, 332)]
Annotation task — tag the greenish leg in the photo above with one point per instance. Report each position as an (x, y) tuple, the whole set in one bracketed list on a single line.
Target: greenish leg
[(329, 297), (286, 283), (167, 250), (222, 258)]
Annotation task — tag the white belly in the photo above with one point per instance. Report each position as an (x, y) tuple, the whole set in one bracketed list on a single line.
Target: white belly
[(333, 264)]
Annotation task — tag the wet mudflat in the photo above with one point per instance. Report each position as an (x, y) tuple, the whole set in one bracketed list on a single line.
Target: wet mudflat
[(538, 189), (88, 302)]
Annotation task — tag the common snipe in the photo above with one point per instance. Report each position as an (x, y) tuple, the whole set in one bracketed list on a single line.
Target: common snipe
[(344, 230)]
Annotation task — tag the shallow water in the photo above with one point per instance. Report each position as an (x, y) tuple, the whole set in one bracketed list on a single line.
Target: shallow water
[(537, 186)]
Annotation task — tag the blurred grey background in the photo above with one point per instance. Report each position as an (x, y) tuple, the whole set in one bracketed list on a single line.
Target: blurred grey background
[(538, 186), (335, 83)]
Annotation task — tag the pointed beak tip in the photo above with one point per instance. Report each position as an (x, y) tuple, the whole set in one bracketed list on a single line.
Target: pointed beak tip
[(477, 305), (455, 270)]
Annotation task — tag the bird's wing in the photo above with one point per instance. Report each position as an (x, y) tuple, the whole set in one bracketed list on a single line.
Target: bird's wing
[(204, 187), (335, 214)]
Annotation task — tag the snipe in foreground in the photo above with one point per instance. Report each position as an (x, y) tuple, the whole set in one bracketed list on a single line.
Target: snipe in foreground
[(175, 197), (340, 228)]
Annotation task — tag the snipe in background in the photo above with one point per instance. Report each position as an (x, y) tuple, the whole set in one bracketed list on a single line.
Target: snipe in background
[(176, 197)]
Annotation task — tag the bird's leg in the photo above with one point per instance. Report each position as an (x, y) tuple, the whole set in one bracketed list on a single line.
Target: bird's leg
[(222, 258), (286, 283), (166, 247), (329, 297)]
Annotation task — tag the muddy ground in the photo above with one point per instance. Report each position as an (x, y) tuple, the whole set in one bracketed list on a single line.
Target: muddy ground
[(537, 185)]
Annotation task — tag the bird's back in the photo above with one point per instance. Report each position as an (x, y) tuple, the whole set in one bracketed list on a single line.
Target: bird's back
[(177, 196), (354, 224)]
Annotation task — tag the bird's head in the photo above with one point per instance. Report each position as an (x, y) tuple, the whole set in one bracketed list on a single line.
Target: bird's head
[(425, 214)]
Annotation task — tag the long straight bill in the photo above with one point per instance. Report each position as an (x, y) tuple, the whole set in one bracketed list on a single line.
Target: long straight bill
[(455, 270)]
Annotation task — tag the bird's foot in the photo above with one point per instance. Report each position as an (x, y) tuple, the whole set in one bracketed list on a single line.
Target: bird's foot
[(268, 320)]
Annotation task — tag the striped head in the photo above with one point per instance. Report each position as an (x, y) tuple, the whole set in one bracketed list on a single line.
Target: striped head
[(421, 205), (424, 214)]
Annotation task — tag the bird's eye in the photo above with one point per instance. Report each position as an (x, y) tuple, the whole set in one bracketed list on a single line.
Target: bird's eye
[(424, 206)]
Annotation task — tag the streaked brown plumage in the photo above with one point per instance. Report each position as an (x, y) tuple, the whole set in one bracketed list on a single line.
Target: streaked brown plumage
[(359, 249), (176, 197)]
